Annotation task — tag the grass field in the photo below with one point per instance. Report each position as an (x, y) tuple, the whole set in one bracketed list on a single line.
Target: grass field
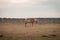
[(40, 31)]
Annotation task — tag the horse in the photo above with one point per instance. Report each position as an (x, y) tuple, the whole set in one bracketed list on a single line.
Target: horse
[(31, 21)]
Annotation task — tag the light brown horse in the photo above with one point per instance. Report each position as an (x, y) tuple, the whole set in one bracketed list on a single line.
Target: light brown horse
[(31, 21)]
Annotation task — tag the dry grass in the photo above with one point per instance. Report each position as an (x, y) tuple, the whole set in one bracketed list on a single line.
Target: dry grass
[(18, 31)]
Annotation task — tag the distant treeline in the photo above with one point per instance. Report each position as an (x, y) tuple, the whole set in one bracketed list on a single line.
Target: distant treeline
[(40, 19)]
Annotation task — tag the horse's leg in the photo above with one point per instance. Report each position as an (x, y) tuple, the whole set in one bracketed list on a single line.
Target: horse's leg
[(25, 24), (32, 24), (36, 22)]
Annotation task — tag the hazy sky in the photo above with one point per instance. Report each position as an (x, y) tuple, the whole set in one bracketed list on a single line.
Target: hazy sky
[(29, 8)]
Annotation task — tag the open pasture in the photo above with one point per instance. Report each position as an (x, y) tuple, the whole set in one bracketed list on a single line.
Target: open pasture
[(40, 31)]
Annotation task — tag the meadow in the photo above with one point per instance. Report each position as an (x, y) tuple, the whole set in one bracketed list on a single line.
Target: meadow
[(41, 31)]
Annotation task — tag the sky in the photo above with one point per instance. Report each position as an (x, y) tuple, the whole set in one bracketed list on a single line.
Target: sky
[(29, 8)]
